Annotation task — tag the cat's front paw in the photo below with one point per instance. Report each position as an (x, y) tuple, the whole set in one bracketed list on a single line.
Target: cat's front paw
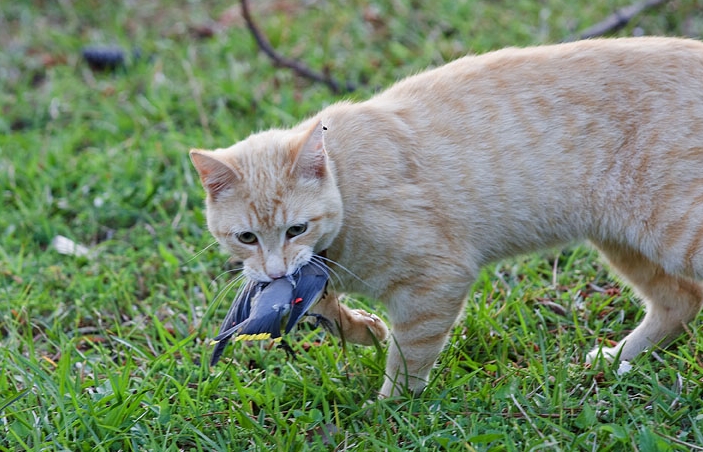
[(353, 325), (373, 325)]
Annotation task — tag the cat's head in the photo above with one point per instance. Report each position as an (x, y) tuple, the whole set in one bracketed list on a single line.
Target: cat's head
[(272, 200)]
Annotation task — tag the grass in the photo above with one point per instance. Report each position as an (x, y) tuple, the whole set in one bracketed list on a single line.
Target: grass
[(105, 351)]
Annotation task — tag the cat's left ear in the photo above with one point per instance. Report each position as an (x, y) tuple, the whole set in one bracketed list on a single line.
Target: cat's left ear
[(309, 156)]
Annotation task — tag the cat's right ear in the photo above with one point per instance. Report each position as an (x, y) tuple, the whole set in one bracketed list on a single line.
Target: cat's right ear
[(309, 155), (215, 174)]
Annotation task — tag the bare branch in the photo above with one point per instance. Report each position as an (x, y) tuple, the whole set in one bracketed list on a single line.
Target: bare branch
[(295, 65), (617, 20)]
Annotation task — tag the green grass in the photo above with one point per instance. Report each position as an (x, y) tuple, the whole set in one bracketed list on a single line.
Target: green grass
[(106, 351)]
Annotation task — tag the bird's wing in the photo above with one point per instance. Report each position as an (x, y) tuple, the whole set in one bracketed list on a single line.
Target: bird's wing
[(238, 313), (310, 286), (267, 312)]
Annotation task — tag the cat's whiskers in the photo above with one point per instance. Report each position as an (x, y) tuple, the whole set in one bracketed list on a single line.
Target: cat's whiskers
[(331, 261), (228, 287), (227, 272), (246, 286), (331, 280), (196, 255), (330, 271), (231, 283)]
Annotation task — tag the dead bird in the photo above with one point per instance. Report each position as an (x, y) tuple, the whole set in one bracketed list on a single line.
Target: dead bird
[(260, 309)]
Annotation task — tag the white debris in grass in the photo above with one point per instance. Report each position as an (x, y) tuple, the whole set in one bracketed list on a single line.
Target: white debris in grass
[(64, 245)]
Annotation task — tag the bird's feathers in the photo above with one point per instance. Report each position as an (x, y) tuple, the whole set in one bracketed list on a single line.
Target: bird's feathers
[(259, 310)]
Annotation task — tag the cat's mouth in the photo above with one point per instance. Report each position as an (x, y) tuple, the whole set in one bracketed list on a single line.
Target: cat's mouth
[(313, 259), (260, 276)]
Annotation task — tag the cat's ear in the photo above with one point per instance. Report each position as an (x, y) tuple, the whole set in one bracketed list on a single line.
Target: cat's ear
[(309, 156), (215, 173)]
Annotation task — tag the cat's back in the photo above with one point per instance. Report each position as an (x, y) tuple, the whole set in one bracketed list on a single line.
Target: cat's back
[(635, 61), (546, 101), (562, 103)]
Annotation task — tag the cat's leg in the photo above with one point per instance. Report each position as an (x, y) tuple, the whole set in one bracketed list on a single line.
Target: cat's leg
[(422, 318), (670, 301), (354, 325)]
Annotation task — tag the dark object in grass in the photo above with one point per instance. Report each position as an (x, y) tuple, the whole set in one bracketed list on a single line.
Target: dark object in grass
[(106, 58), (260, 309)]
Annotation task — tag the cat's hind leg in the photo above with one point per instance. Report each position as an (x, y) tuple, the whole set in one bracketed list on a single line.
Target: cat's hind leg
[(670, 301), (353, 325)]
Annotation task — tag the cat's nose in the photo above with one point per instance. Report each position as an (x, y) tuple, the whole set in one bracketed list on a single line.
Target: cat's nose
[(275, 267)]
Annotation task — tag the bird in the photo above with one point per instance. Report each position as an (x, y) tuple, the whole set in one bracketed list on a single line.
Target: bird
[(258, 312)]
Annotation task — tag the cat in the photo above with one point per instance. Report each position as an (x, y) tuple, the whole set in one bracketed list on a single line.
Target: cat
[(411, 192)]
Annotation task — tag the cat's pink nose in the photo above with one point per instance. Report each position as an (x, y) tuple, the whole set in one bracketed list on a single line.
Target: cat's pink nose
[(276, 275)]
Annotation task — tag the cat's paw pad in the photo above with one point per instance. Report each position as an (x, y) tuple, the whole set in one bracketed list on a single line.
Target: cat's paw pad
[(375, 325)]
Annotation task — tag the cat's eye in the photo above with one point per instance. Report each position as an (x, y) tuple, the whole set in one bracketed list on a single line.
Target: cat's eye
[(296, 230), (248, 238)]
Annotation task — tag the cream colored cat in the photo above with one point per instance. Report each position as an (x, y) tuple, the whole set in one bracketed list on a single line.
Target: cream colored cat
[(412, 191)]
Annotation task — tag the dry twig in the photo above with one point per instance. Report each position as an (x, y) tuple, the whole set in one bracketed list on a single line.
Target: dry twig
[(617, 20), (279, 60)]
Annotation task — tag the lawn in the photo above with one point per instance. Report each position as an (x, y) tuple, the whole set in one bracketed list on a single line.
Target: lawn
[(111, 288)]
